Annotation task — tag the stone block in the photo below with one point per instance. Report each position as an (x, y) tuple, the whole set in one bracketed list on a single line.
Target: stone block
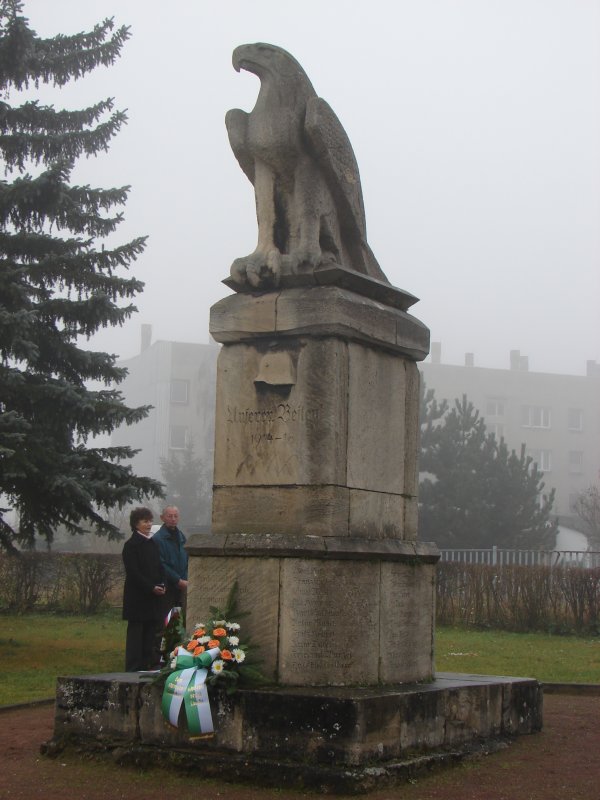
[(411, 519), (317, 510), (281, 433), (412, 428), (376, 428), (239, 316), (407, 622), (319, 311), (324, 605), (258, 586), (331, 311), (376, 515), (106, 704)]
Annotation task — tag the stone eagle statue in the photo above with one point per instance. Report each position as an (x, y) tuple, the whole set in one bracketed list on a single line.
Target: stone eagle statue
[(300, 161)]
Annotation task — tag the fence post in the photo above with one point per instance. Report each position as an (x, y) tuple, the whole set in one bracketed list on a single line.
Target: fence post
[(494, 555)]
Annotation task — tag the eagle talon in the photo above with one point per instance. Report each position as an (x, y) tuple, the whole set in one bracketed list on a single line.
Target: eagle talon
[(257, 270)]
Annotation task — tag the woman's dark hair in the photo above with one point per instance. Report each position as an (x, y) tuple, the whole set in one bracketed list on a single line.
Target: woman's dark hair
[(137, 515)]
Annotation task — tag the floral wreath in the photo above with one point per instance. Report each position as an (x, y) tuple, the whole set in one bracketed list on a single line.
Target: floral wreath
[(212, 656)]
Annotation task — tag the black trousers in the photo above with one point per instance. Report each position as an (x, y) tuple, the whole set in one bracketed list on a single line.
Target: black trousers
[(140, 645)]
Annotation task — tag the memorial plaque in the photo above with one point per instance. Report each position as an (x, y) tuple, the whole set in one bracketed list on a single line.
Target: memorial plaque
[(407, 622), (211, 579), (281, 426), (329, 622)]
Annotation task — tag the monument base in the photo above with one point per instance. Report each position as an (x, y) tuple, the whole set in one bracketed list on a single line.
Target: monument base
[(337, 739)]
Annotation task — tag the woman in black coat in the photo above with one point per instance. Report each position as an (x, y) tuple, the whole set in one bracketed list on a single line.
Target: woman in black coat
[(144, 586)]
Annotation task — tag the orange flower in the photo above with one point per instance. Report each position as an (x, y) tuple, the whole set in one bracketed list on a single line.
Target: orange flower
[(198, 632), (219, 632), (214, 643), (198, 650), (191, 645), (226, 655)]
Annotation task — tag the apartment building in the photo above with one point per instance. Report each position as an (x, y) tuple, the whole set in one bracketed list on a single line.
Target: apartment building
[(178, 379), (557, 417)]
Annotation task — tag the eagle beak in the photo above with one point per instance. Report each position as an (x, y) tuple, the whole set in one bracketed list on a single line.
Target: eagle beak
[(237, 58)]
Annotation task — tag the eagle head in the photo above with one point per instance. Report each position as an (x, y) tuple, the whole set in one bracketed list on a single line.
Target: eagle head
[(266, 60)]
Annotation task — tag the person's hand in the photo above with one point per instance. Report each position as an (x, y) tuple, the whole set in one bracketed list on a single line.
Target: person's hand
[(182, 584), (159, 589)]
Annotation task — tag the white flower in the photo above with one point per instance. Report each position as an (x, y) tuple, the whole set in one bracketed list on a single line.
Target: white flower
[(239, 655), (203, 639), (217, 623), (217, 666), (198, 625), (233, 640), (233, 626)]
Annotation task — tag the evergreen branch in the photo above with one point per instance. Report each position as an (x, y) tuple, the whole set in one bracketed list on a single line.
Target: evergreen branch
[(31, 117), (40, 146), (27, 59)]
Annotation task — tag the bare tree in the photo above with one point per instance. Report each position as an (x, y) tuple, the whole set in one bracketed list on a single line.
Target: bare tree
[(587, 508)]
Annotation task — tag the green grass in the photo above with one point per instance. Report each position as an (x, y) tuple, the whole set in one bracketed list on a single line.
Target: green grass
[(568, 659), (36, 648)]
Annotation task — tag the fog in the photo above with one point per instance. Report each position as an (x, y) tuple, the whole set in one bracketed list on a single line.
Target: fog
[(476, 127)]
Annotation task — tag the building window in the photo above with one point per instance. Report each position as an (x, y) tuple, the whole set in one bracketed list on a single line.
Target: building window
[(497, 428), (575, 461), (543, 459), (494, 407), (535, 417), (575, 419), (180, 391), (178, 437)]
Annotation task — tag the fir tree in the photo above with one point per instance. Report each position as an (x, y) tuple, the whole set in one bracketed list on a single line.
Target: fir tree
[(58, 286), (474, 493)]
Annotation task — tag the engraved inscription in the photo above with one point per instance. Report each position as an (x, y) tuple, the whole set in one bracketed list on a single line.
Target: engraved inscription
[(259, 430), (406, 622), (326, 604), (282, 412)]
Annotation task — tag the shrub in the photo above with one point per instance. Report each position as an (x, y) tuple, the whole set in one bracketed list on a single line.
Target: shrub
[(79, 583), (519, 598)]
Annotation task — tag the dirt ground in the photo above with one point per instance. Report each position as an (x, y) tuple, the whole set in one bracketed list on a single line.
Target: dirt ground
[(561, 763)]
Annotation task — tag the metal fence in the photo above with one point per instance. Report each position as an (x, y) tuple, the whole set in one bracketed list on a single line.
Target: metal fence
[(497, 556)]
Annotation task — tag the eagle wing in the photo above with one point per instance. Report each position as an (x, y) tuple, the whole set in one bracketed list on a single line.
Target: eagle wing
[(236, 122), (331, 148)]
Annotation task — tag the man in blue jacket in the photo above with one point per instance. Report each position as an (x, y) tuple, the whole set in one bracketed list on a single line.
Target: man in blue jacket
[(173, 557)]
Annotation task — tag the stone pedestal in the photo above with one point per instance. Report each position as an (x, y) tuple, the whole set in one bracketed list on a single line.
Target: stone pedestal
[(324, 610), (315, 487), (316, 415), (346, 740)]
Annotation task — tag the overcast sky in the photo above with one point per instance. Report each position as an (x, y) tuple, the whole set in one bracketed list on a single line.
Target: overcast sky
[(476, 127)]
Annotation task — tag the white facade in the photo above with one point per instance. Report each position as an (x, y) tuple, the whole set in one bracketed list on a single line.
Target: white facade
[(178, 380)]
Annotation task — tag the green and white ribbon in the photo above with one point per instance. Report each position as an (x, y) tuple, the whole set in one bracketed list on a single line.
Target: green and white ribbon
[(187, 685)]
